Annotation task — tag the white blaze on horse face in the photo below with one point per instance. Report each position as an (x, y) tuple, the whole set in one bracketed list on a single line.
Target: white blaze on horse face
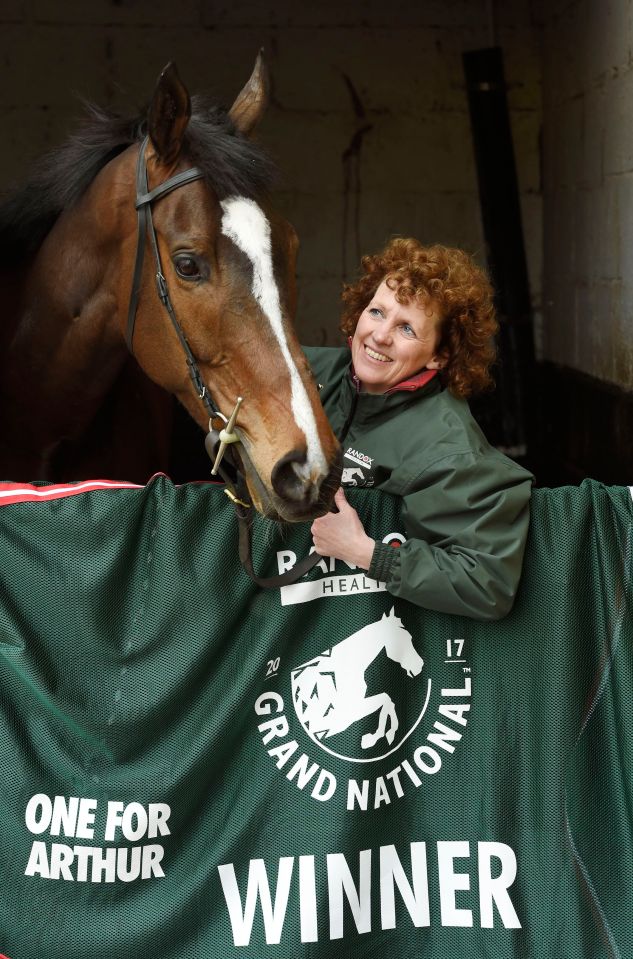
[(245, 224)]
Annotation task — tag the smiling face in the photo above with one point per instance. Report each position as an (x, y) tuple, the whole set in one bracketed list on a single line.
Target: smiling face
[(394, 341)]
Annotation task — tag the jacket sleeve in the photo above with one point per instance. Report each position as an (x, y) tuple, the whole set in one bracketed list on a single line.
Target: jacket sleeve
[(466, 520)]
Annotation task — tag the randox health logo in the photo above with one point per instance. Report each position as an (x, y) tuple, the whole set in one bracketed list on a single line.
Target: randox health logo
[(364, 722), (330, 578)]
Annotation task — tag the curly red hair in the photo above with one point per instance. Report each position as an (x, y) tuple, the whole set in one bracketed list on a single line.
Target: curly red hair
[(451, 281)]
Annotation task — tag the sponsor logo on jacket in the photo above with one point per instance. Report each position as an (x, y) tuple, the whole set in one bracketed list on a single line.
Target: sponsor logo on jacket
[(360, 473)]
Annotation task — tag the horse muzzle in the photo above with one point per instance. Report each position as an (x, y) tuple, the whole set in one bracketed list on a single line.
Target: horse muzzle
[(295, 493), (293, 481)]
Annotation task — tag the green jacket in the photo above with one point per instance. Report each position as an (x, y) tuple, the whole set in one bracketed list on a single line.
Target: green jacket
[(465, 505)]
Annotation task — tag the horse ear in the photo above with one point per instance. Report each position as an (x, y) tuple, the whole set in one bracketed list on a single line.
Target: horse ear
[(250, 104), (169, 114)]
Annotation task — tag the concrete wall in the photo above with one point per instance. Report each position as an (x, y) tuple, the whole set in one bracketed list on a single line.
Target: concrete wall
[(588, 187), (339, 67)]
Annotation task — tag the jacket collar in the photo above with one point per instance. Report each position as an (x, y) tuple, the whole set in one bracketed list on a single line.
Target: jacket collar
[(414, 383)]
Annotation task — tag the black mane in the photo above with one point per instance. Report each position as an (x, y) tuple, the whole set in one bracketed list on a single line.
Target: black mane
[(231, 163)]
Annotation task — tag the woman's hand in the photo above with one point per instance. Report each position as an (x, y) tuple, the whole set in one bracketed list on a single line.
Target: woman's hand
[(342, 536)]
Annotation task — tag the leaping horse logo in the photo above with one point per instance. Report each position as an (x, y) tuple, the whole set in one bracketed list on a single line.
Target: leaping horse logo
[(347, 478), (329, 691)]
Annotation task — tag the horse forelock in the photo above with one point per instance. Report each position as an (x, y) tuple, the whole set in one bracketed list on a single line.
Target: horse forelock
[(232, 164), (245, 224)]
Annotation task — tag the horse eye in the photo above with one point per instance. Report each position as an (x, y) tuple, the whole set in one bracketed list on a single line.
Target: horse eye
[(187, 267)]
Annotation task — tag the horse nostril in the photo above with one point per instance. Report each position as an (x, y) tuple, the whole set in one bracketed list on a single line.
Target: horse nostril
[(291, 476)]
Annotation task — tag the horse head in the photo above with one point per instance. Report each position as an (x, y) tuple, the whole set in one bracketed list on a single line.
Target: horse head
[(399, 644), (228, 260)]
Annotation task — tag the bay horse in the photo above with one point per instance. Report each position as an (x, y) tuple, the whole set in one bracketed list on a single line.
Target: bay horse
[(68, 240)]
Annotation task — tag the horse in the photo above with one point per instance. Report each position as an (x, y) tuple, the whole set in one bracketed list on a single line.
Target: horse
[(329, 692), (67, 242)]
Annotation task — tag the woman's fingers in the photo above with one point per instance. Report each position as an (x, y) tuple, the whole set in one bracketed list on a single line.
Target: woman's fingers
[(339, 498)]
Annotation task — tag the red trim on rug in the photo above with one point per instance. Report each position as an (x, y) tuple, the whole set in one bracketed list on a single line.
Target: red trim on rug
[(26, 492)]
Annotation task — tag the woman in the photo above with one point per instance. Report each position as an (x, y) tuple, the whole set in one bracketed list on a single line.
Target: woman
[(420, 323)]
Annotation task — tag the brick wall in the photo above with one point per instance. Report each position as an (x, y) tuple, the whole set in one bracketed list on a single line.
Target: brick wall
[(588, 183), (586, 380), (337, 67)]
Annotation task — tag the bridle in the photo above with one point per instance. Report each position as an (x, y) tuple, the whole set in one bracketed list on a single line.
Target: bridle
[(144, 200), (235, 486)]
